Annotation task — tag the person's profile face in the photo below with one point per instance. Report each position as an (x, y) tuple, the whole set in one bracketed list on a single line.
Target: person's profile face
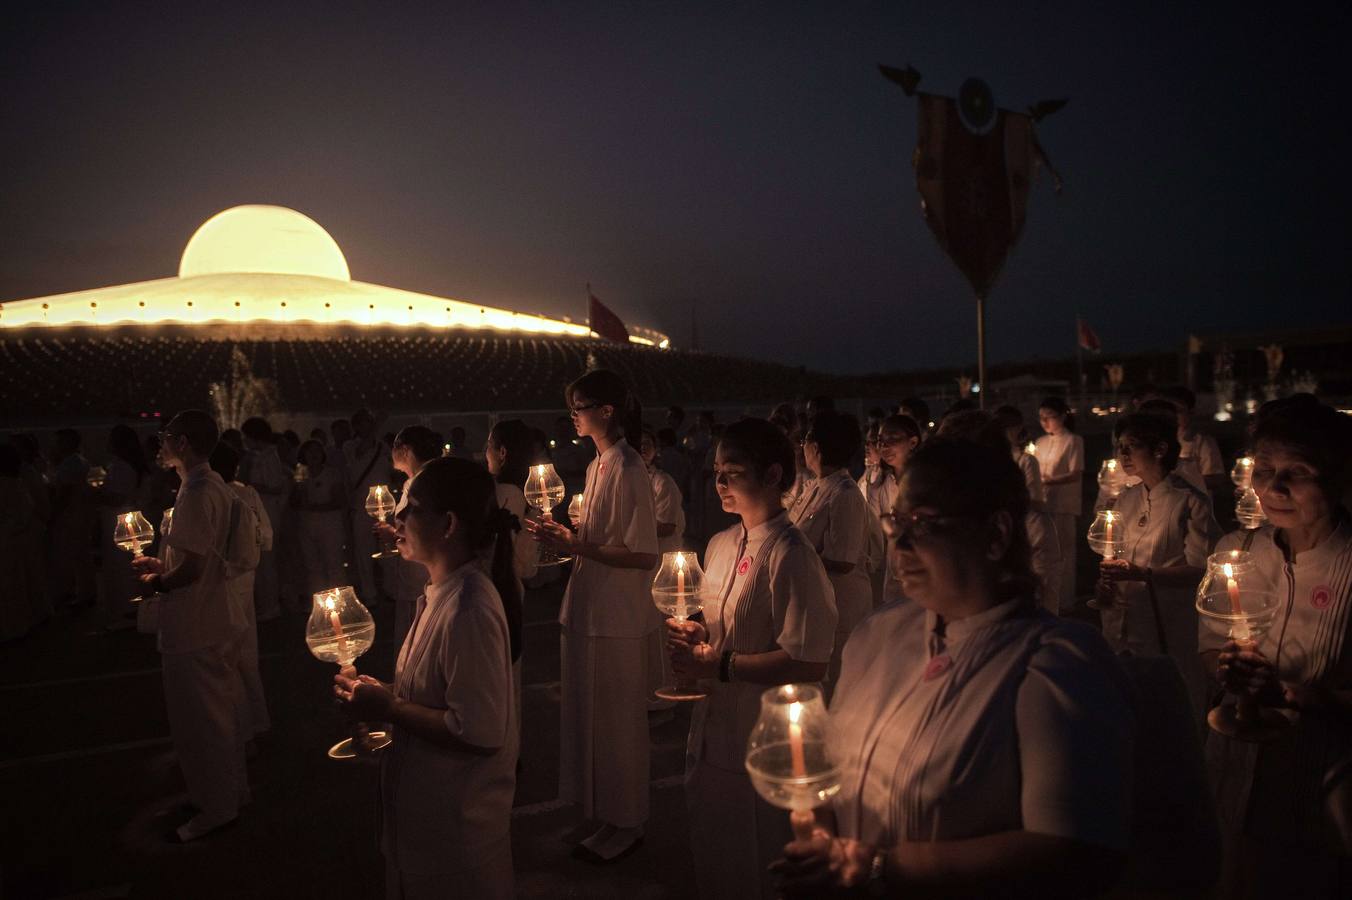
[(1051, 421), (736, 481)]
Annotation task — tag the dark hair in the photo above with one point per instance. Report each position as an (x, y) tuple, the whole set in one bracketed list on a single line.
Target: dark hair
[(457, 436), (1313, 431), (291, 437), (450, 484), (1009, 416), (902, 423), (224, 461), (1059, 406), (837, 437), (605, 387), (1161, 406), (784, 417), (1151, 429), (977, 426), (962, 478), (518, 440), (917, 406), (1182, 396), (300, 452), (126, 446), (421, 441), (256, 428), (199, 428), (959, 406), (760, 444)]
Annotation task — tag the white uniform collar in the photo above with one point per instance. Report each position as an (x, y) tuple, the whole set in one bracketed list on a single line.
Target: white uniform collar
[(955, 631)]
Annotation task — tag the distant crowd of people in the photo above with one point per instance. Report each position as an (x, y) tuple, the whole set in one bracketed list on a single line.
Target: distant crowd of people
[(991, 736)]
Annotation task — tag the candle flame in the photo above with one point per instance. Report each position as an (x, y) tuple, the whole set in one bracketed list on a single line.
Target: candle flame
[(795, 712), (680, 560), (1108, 517), (1112, 464), (1229, 570)]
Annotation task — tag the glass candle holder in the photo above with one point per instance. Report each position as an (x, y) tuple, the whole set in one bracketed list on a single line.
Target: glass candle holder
[(1107, 539), (96, 476), (380, 506), (1111, 479), (1249, 509), (1242, 473), (545, 490), (678, 591), (575, 508), (786, 755), (339, 630), (1237, 602)]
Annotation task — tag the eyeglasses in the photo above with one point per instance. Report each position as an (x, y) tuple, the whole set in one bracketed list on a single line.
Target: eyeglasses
[(906, 529), (583, 407)]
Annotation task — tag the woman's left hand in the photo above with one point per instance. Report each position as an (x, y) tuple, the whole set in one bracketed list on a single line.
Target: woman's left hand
[(693, 660), (823, 864), (1121, 570), (553, 534), (366, 699)]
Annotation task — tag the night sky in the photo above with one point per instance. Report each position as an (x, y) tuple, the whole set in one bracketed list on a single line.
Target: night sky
[(747, 158)]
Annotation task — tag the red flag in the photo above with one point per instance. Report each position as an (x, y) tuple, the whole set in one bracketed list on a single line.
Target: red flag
[(604, 322), (1088, 339)]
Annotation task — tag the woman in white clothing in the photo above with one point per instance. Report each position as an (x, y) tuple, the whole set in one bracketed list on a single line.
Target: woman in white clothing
[(1041, 532), (984, 744), (898, 436), (832, 515), (320, 502), (1147, 596), (769, 618), (447, 780), (1286, 806), (1060, 457), (606, 618)]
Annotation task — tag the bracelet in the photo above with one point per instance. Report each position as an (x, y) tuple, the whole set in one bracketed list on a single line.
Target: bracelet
[(725, 666)]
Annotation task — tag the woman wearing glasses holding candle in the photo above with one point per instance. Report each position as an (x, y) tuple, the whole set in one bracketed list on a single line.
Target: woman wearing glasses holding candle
[(834, 518), (769, 618), (1147, 596), (1286, 806), (448, 778), (606, 618), (984, 744), (1060, 457)]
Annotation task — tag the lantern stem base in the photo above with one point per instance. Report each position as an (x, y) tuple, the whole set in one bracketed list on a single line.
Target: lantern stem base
[(347, 747), (803, 821), (680, 693), (1263, 726)]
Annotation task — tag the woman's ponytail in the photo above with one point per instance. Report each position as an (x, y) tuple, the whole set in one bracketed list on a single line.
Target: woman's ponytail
[(503, 526)]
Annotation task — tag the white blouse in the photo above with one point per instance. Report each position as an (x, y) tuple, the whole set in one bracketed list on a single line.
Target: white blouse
[(1061, 454), (767, 591), (1008, 719), (667, 508), (444, 809), (601, 600), (834, 518)]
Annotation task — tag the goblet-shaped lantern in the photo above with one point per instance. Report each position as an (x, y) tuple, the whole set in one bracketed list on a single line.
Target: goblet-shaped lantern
[(786, 755), (96, 476), (132, 531), (1111, 479), (1242, 473), (1249, 509), (575, 507), (340, 629), (678, 591), (545, 490), (300, 473), (1236, 602), (1107, 540), (379, 506)]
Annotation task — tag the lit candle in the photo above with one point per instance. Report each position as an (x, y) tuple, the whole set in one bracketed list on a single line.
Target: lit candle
[(1108, 533), (337, 626), (1232, 588), (798, 760), (680, 587)]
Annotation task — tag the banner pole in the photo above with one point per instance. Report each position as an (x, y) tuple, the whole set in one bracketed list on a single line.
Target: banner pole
[(981, 350), (1079, 367)]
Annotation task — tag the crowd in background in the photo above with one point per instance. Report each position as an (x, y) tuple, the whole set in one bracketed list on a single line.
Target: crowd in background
[(881, 558)]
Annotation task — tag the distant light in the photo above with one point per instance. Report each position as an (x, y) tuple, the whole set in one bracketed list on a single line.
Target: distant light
[(1222, 415), (976, 389)]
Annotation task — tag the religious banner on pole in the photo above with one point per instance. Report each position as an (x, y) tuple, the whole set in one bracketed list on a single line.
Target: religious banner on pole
[(974, 164), (604, 322)]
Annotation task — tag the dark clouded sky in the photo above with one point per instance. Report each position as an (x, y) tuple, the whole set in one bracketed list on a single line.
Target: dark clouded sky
[(747, 157)]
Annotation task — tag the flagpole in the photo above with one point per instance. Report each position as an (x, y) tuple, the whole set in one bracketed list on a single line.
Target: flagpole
[(1079, 362), (981, 350)]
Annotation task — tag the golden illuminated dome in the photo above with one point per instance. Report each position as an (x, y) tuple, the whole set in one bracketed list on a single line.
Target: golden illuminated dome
[(260, 239)]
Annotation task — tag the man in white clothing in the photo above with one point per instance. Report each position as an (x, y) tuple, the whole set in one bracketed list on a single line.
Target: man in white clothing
[(199, 629)]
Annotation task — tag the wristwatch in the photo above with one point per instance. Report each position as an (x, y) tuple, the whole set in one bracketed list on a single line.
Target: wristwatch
[(877, 875)]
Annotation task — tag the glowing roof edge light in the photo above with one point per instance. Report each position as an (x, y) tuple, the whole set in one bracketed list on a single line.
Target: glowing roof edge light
[(274, 265)]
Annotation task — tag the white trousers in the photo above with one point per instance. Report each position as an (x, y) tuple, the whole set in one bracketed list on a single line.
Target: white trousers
[(603, 727), (734, 834), (202, 693)]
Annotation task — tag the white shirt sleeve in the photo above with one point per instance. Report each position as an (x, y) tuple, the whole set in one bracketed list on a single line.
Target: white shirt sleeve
[(1075, 728), (1032, 478), (478, 693), (666, 500), (846, 537), (193, 531), (638, 523), (255, 503), (802, 602)]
